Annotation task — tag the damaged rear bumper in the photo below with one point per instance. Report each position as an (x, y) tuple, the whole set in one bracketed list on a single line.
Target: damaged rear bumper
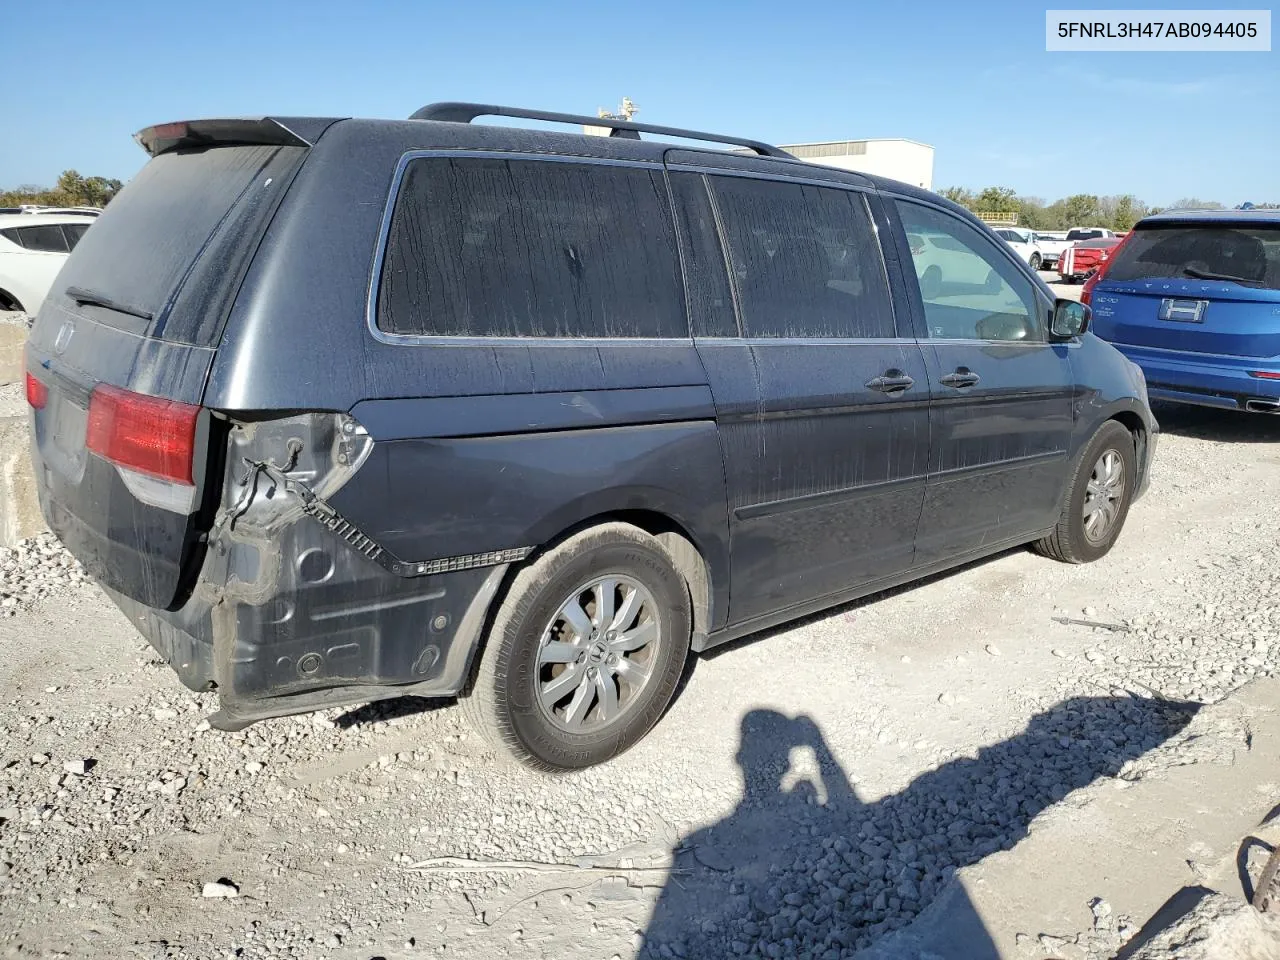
[(362, 638), (295, 610)]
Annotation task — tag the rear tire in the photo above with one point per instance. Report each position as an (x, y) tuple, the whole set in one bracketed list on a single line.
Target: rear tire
[(9, 302), (562, 697), (1097, 500)]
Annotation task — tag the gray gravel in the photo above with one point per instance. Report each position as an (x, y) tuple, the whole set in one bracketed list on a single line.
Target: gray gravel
[(809, 792), (33, 570)]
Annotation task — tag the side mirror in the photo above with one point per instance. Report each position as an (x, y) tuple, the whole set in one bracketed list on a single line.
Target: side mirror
[(1070, 319)]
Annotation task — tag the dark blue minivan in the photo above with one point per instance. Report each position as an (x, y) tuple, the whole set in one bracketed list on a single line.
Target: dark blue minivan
[(1193, 297), (342, 409)]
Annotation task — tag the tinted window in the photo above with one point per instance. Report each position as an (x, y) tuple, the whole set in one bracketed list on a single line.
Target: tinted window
[(74, 232), (46, 238), (1251, 255), (705, 271), (11, 235), (531, 248), (969, 288), (805, 260), (188, 222), (1083, 234)]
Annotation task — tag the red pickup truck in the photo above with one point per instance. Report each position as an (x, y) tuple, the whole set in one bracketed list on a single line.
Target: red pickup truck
[(1080, 260)]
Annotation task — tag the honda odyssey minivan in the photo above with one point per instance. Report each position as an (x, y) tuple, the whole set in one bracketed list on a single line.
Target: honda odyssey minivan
[(343, 409)]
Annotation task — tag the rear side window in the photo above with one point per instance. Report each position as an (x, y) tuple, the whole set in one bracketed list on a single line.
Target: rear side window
[(46, 238), (805, 260), (1249, 255), (74, 232), (188, 219), (531, 248)]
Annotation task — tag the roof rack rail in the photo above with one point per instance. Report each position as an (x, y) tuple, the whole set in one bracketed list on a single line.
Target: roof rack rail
[(466, 112)]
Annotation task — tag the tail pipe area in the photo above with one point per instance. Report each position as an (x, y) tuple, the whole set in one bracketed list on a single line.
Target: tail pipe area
[(1259, 405)]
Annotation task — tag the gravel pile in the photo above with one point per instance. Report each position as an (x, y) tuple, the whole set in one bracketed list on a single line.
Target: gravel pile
[(35, 569), (18, 319)]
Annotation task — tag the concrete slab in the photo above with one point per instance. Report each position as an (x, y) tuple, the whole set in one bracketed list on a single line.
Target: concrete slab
[(20, 515), (13, 339), (1172, 818)]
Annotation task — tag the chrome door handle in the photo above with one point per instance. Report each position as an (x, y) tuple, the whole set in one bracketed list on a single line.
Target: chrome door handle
[(963, 377), (893, 381)]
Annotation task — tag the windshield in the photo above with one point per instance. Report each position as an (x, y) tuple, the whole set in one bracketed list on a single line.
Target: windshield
[(1241, 253)]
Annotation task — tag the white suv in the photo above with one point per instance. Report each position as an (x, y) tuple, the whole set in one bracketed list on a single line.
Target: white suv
[(32, 251), (1023, 243)]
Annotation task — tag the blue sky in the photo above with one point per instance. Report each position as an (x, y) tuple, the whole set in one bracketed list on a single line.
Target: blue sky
[(972, 79)]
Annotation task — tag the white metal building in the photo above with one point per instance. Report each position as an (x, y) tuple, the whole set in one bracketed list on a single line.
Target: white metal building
[(905, 160)]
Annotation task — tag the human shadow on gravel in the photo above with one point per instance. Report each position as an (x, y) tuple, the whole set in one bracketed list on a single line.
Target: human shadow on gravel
[(803, 868)]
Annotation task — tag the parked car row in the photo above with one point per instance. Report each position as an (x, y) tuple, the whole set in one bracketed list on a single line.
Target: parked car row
[(1043, 250), (342, 409)]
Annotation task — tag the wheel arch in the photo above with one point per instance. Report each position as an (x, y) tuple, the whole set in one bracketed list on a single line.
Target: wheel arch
[(708, 592), (9, 301), (687, 553), (1138, 430)]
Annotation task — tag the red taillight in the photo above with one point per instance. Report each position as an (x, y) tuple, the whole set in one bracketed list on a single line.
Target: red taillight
[(1265, 374), (37, 393), (147, 434), (1104, 261)]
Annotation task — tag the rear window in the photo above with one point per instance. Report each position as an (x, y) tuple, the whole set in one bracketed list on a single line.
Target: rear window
[(1083, 234), (1246, 254), (531, 248), (188, 222)]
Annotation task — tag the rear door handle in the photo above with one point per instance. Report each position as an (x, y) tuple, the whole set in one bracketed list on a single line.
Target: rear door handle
[(963, 377), (893, 381)]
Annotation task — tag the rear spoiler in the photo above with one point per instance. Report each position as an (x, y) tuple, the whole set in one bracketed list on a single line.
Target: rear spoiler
[(266, 131)]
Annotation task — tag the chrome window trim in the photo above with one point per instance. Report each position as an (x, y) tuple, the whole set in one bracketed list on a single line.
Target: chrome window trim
[(761, 175), (447, 340)]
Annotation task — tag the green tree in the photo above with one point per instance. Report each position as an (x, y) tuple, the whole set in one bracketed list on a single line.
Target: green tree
[(1195, 203), (1128, 211), (72, 190), (1081, 210), (996, 200), (958, 195), (1032, 213)]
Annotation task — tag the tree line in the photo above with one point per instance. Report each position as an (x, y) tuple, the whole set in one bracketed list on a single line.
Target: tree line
[(72, 190), (1117, 212)]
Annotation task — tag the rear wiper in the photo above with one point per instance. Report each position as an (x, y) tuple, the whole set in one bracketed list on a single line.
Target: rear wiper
[(1210, 275), (82, 296)]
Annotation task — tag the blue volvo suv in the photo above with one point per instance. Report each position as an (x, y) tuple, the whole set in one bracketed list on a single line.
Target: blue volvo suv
[(1194, 299)]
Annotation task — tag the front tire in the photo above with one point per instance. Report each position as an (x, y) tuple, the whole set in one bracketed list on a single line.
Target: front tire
[(585, 652), (1097, 501), (1035, 261)]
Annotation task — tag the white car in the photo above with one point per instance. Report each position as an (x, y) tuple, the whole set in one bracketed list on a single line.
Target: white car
[(32, 251), (1023, 242), (1076, 234), (1051, 246)]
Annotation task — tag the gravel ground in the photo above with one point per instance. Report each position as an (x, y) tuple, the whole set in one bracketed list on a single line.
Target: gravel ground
[(810, 790)]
